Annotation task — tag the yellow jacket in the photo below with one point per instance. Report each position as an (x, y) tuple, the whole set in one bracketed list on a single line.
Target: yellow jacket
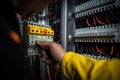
[(77, 67)]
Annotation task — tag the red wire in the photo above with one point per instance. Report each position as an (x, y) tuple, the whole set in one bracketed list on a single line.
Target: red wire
[(107, 20), (118, 53), (100, 22), (102, 49), (94, 22), (112, 49), (87, 22), (98, 49), (29, 18), (18, 17)]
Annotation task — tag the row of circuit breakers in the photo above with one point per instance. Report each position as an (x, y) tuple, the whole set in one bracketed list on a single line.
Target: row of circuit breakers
[(34, 31), (107, 33), (104, 33), (95, 6)]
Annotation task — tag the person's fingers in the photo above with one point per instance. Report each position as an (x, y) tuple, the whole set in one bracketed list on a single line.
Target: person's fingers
[(42, 52), (43, 59), (43, 43), (46, 60), (44, 55)]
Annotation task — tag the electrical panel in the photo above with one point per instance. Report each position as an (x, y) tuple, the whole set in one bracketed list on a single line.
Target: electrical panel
[(97, 28), (92, 28), (34, 31)]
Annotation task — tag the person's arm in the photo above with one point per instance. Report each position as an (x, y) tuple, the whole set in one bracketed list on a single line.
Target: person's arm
[(78, 67)]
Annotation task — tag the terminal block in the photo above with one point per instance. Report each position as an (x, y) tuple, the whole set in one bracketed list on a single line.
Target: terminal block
[(40, 30)]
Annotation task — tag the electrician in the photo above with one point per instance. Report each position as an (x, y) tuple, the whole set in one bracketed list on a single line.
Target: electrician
[(77, 67)]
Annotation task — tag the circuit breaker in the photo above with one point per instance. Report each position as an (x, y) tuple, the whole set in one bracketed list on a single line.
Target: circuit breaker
[(34, 31)]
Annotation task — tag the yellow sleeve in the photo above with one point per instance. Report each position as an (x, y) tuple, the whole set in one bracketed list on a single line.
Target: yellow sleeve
[(77, 67)]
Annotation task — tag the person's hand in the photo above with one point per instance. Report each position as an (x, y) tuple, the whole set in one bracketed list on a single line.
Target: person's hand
[(51, 53)]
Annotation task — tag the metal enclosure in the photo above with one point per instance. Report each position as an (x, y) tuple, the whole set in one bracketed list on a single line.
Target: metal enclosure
[(86, 27), (67, 24)]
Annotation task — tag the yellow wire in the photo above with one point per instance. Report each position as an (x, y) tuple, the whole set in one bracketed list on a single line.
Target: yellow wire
[(48, 72)]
